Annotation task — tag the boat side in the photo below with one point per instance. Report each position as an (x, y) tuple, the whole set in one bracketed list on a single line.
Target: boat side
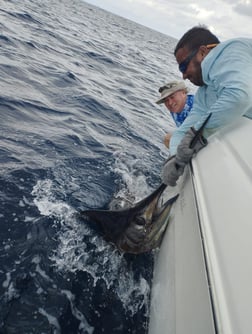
[(203, 271), (180, 301), (222, 176)]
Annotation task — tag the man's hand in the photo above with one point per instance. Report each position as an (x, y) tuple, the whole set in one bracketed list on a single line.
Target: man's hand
[(174, 167), (172, 171), (192, 142), (188, 147)]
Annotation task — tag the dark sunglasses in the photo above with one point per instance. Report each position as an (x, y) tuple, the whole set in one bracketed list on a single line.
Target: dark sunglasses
[(183, 66)]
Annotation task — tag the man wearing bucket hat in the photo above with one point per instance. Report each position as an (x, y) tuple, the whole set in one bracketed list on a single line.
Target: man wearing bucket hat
[(177, 101)]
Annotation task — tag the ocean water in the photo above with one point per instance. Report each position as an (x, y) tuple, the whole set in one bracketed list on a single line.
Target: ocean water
[(79, 128)]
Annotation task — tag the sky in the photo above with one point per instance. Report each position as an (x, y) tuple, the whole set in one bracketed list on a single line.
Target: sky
[(225, 18)]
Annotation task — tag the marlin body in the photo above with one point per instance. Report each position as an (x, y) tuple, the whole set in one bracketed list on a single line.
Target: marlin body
[(140, 228), (137, 229)]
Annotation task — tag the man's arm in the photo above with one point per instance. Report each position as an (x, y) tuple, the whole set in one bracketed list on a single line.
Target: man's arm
[(227, 72)]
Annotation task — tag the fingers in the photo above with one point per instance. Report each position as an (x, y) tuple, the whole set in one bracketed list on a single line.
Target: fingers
[(172, 170), (167, 139)]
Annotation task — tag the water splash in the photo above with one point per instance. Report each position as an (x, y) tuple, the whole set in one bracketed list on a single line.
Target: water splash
[(81, 249), (132, 175)]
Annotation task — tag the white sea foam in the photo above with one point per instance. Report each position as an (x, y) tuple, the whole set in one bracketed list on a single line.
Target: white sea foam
[(38, 269), (81, 249), (78, 315), (131, 172), (10, 292), (7, 281), (46, 202), (52, 320)]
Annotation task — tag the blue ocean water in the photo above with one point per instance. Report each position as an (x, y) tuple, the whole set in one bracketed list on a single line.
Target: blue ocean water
[(79, 127)]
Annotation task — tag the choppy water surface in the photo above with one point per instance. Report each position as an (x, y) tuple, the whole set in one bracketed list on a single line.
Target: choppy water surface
[(79, 127)]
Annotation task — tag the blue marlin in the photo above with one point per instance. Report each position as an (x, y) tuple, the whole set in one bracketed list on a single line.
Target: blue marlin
[(140, 228), (136, 229)]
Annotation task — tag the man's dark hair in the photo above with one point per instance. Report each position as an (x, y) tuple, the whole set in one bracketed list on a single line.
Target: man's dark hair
[(195, 37)]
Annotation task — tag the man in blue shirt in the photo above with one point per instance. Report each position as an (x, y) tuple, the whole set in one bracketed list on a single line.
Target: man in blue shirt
[(174, 96), (223, 72)]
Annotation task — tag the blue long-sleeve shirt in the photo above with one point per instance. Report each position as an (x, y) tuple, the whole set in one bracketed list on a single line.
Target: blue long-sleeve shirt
[(227, 89)]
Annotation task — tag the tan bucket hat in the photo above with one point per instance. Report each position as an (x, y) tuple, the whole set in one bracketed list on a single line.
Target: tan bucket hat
[(169, 89)]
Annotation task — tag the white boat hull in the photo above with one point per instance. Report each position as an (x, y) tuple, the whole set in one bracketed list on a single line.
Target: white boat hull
[(203, 270)]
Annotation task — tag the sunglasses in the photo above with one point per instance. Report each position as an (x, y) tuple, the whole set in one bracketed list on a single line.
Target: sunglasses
[(183, 66)]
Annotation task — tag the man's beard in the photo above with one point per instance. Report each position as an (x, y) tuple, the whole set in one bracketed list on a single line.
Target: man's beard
[(197, 80)]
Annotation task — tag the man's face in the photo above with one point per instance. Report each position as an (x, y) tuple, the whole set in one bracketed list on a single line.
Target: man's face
[(176, 101), (190, 63)]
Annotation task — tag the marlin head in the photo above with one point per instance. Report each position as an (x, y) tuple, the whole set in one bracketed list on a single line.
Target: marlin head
[(137, 229)]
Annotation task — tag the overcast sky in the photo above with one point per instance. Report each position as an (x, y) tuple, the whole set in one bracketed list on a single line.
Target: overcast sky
[(225, 18)]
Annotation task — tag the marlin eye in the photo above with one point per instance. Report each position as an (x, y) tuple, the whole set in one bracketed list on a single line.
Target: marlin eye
[(140, 221)]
